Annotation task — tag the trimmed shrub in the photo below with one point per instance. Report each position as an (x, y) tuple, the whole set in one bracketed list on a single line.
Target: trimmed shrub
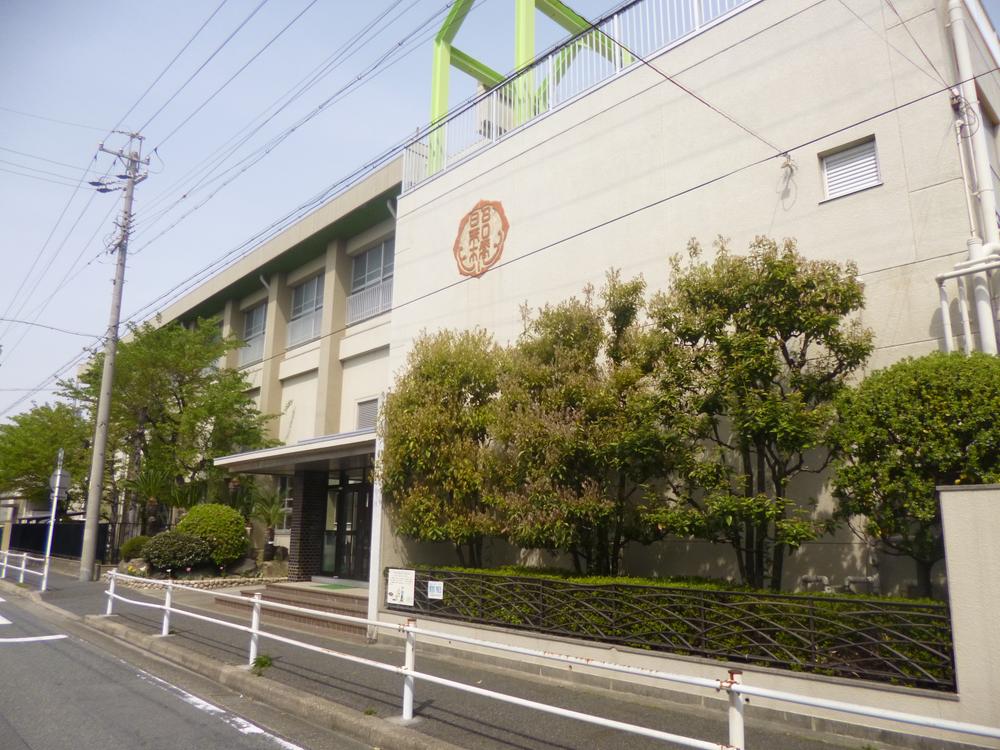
[(221, 527), (133, 548), (175, 551)]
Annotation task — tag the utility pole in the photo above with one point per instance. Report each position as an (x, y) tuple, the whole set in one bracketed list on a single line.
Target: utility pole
[(130, 156)]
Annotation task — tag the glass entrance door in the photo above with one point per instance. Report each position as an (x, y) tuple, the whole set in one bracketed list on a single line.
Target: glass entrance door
[(347, 531)]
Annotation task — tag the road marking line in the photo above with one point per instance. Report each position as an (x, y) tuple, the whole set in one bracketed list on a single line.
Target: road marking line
[(4, 620), (32, 639), (2, 600), (238, 723)]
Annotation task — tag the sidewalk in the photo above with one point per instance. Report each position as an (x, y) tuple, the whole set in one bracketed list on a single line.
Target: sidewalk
[(323, 687)]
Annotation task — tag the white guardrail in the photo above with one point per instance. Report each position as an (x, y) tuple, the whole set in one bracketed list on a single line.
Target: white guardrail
[(733, 685), (23, 569)]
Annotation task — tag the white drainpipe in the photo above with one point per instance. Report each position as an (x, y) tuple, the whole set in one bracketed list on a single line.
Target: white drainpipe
[(983, 179)]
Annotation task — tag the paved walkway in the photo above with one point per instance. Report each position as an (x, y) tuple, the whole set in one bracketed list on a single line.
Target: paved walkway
[(444, 715)]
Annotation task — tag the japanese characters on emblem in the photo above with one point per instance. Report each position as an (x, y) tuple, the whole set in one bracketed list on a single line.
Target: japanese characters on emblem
[(481, 235)]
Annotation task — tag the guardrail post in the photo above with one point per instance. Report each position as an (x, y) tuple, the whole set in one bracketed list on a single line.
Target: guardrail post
[(45, 575), (4, 573), (111, 592), (409, 659), (736, 703), (24, 565), (255, 629), (167, 603)]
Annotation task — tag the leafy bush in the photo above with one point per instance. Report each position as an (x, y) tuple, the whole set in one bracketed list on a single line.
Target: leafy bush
[(133, 547), (175, 550), (221, 527)]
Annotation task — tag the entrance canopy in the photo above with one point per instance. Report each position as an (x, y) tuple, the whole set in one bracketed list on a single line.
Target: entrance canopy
[(325, 453)]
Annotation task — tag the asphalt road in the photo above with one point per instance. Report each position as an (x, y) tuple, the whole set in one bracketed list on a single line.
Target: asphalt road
[(61, 692)]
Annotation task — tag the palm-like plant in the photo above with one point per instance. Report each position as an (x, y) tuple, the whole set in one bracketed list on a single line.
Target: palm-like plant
[(269, 509)]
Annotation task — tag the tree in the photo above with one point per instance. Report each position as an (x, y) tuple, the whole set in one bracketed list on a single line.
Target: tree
[(28, 448), (435, 425), (586, 440), (173, 409), (771, 343), (907, 429)]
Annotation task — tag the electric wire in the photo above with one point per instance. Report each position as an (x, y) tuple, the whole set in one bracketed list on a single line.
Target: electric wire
[(376, 68), (201, 67), (67, 177), (592, 228), (214, 159), (53, 119), (937, 77), (233, 77), (62, 183), (919, 46), (170, 64), (74, 167)]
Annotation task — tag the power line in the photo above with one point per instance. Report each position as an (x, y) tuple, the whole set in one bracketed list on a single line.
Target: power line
[(49, 180), (202, 66), (231, 78), (293, 93), (909, 33), (60, 175), (74, 167), (53, 119), (592, 228), (256, 156), (170, 64), (48, 327)]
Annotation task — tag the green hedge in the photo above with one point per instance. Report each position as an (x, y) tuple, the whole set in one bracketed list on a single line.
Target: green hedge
[(888, 640), (133, 548), (221, 527), (176, 551)]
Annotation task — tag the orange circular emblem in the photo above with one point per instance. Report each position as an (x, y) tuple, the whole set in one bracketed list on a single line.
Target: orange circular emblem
[(481, 235)]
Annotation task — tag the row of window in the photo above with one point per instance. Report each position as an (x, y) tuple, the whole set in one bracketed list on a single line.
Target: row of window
[(371, 272)]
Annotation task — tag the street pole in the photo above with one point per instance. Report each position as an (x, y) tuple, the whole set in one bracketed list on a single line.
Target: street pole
[(96, 485), (58, 480)]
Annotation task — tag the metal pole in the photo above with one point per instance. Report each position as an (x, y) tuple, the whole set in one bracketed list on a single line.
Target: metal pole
[(168, 601), (255, 629), (4, 574), (409, 660), (52, 519), (24, 564), (736, 734), (111, 593), (96, 484)]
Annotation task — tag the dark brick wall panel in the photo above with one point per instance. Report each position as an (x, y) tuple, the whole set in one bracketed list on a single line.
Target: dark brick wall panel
[(305, 554)]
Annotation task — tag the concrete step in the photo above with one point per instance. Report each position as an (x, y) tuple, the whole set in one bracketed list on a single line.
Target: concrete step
[(317, 599)]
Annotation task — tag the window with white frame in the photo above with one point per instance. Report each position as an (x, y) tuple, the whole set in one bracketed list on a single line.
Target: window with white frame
[(851, 169), (374, 265), (367, 414), (307, 311), (253, 334), (285, 493), (371, 282)]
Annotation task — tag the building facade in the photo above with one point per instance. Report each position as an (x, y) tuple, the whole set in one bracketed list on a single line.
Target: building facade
[(866, 130)]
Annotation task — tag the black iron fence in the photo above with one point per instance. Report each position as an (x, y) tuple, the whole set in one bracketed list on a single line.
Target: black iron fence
[(67, 538), (884, 640)]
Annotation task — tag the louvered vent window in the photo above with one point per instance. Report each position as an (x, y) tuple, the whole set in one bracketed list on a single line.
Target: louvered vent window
[(367, 414), (851, 169)]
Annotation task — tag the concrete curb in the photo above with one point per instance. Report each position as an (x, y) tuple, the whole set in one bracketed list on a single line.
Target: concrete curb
[(371, 730)]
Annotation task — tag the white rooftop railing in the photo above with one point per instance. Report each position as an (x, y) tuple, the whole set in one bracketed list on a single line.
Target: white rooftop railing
[(618, 41), (732, 685)]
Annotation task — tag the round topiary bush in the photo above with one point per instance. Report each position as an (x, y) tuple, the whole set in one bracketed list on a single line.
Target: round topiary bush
[(222, 527), (133, 548), (174, 550)]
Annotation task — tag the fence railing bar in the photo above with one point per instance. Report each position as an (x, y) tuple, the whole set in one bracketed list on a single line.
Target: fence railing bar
[(702, 682), (569, 713), (735, 689), (869, 711)]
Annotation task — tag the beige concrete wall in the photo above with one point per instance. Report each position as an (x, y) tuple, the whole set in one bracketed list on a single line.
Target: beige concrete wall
[(626, 175), (365, 377), (971, 520), (298, 407)]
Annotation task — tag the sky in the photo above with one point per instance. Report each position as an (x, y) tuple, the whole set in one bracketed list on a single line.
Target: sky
[(200, 80)]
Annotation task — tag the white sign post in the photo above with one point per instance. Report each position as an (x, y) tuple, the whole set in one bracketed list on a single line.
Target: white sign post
[(58, 482)]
